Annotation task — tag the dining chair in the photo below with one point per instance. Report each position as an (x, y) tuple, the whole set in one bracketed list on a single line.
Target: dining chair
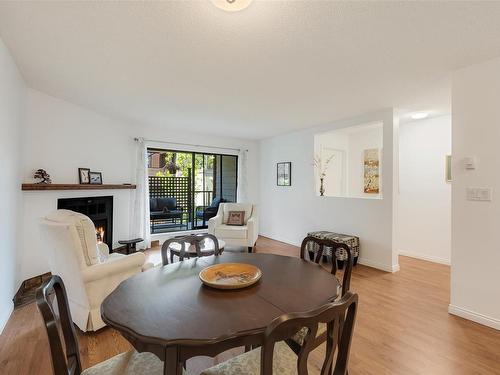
[(296, 341), (194, 241), (52, 303), (276, 358), (318, 255)]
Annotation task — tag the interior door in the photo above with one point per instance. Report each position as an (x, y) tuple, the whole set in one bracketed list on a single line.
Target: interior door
[(335, 182)]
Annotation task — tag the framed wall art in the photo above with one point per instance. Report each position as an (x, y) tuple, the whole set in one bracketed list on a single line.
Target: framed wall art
[(284, 173)]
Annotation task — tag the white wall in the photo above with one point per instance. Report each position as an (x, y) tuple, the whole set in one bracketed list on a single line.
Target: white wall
[(11, 102), (475, 256), (424, 195), (288, 213), (61, 137)]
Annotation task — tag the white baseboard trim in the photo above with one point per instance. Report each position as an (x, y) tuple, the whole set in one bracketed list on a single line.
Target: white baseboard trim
[(474, 316), (428, 258), (4, 317), (379, 266)]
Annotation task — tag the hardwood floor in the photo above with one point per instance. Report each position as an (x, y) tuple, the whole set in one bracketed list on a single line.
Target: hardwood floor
[(403, 327)]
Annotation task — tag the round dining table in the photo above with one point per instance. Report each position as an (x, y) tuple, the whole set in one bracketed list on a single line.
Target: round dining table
[(168, 311)]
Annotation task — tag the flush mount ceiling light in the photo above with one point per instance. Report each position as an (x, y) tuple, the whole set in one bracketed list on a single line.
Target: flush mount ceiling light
[(419, 115), (231, 5)]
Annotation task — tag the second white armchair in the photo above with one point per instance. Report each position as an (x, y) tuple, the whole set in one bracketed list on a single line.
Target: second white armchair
[(244, 235)]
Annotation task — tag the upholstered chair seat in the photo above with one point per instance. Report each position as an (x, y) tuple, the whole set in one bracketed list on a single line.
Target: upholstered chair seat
[(284, 363), (128, 363)]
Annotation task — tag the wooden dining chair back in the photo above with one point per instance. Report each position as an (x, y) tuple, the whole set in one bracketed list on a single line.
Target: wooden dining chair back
[(52, 303), (191, 240), (316, 256), (339, 317)]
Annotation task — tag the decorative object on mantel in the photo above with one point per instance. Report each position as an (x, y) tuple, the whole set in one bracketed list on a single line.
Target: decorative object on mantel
[(27, 187), (318, 164), (41, 174), (95, 178), (84, 175), (284, 174)]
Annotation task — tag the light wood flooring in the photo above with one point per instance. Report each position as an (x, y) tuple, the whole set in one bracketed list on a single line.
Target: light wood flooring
[(403, 328)]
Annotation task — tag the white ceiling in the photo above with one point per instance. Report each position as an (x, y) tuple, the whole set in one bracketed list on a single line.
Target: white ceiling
[(272, 68)]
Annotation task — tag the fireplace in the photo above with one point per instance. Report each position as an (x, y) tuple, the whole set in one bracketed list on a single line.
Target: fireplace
[(98, 209)]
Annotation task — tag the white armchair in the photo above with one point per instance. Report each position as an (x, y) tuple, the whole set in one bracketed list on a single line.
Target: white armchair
[(245, 235), (89, 272)]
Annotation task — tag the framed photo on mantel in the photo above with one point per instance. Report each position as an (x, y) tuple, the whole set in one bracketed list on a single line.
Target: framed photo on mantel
[(95, 178), (84, 175), (284, 174)]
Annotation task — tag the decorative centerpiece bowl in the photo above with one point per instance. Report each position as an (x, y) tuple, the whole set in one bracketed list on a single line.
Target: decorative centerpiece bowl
[(230, 275)]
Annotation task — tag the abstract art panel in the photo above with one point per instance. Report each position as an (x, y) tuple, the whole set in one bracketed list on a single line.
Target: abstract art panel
[(371, 171)]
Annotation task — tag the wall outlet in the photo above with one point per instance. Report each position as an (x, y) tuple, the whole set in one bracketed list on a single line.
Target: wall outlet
[(479, 194)]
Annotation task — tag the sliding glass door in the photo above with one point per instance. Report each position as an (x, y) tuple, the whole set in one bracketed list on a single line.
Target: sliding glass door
[(185, 188)]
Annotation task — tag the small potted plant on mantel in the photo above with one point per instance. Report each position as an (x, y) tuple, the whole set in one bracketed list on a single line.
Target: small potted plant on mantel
[(321, 168), (42, 175)]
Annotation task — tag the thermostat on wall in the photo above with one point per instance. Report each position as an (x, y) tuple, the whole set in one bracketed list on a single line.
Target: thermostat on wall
[(470, 162)]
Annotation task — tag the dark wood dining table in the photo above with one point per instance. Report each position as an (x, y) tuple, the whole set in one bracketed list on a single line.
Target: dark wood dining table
[(169, 312)]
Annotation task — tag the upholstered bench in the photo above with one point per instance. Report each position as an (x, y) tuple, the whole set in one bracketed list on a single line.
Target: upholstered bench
[(340, 254)]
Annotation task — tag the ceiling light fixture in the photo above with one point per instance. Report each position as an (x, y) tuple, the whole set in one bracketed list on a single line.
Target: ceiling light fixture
[(419, 115), (231, 5)]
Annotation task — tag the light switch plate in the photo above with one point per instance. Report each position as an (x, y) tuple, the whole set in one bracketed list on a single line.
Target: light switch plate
[(479, 194)]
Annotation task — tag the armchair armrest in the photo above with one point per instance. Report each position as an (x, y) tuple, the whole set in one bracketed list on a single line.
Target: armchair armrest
[(253, 227), (214, 222), (112, 267)]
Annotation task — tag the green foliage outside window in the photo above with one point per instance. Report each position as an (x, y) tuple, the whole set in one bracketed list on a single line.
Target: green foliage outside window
[(184, 162)]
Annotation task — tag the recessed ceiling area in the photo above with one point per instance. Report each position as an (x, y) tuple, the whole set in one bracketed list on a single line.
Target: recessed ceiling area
[(271, 68)]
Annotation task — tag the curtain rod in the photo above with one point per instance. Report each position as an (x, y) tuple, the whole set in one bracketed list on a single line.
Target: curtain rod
[(191, 144)]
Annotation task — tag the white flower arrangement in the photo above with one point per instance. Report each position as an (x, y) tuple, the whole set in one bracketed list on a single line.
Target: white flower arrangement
[(318, 164)]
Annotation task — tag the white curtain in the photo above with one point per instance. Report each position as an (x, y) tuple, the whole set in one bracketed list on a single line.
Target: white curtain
[(140, 213), (242, 192)]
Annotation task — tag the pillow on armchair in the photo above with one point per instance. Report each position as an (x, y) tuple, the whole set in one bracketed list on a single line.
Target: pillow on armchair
[(236, 218)]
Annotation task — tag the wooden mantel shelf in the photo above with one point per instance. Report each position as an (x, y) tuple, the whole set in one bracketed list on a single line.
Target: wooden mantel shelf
[(75, 186)]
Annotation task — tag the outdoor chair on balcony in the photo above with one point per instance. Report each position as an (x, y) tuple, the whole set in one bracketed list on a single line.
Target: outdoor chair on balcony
[(205, 213), (165, 212)]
